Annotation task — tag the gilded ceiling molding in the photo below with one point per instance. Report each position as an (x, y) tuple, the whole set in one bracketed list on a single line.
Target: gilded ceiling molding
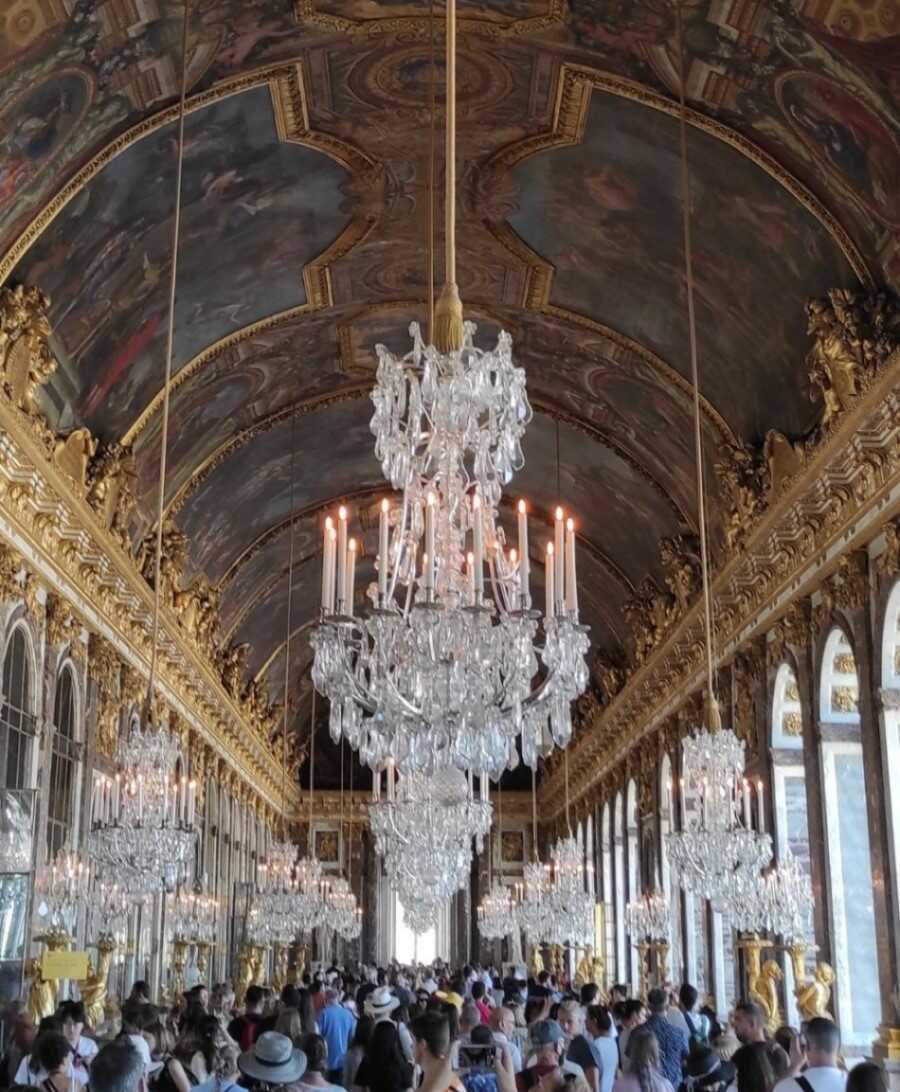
[(299, 409), (419, 26), (806, 537), (576, 85)]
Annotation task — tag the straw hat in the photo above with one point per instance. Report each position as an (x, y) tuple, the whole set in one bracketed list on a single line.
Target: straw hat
[(273, 1059)]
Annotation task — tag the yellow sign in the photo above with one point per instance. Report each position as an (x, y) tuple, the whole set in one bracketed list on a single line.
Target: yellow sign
[(71, 965)]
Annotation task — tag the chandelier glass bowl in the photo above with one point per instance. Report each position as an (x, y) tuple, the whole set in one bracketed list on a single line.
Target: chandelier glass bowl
[(450, 666), (142, 828), (647, 918), (717, 855), (569, 913)]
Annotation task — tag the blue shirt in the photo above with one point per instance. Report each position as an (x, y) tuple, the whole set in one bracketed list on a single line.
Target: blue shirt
[(336, 1026), (673, 1047)]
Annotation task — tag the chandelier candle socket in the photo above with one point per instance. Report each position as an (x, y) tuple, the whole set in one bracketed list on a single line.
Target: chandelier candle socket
[(647, 918), (61, 889), (497, 916), (447, 668)]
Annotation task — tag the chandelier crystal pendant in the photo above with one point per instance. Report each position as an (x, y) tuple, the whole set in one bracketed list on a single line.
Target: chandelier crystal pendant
[(647, 918), (424, 826), (450, 666), (717, 855), (781, 902), (61, 889), (108, 909), (534, 901), (497, 913), (569, 918), (142, 819)]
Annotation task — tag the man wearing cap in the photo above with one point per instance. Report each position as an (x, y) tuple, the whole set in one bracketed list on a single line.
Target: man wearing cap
[(547, 1068), (336, 1026), (273, 1060)]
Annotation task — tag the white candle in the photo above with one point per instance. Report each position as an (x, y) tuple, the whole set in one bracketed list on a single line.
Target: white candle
[(183, 800), (192, 802), (117, 798), (549, 570), (514, 573), (428, 556), (683, 804), (478, 547), (332, 568), (351, 575), (165, 814), (383, 551), (571, 587), (762, 810), (325, 556), (747, 820), (558, 559), (341, 561), (524, 565), (470, 574)]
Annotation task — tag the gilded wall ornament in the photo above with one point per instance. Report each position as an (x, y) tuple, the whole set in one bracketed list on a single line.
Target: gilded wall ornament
[(105, 667), (62, 626), (25, 357), (745, 480), (680, 559), (889, 559), (650, 614), (111, 479), (72, 454)]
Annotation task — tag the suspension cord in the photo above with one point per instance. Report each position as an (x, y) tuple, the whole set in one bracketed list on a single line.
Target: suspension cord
[(312, 767), (429, 207), (170, 341), (287, 639)]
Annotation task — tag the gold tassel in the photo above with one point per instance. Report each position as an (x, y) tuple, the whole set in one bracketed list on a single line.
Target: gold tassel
[(713, 715), (448, 320)]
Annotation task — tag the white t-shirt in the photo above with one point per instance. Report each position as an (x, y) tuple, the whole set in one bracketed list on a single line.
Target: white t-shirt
[(26, 1075), (824, 1078)]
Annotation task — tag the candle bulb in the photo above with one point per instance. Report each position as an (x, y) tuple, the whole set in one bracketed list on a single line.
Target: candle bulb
[(342, 561), (332, 566), (428, 556), (326, 557), (524, 563), (549, 570), (351, 575), (746, 794), (383, 551), (470, 574), (762, 810), (478, 547), (558, 560), (514, 571), (571, 587)]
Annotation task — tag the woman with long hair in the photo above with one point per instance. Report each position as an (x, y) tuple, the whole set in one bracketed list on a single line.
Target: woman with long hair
[(385, 1068), (357, 1050), (307, 1013), (196, 1047), (170, 1076), (53, 1055), (643, 1074), (431, 1050), (755, 1072)]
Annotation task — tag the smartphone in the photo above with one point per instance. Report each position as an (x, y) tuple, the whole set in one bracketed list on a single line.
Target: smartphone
[(481, 1056)]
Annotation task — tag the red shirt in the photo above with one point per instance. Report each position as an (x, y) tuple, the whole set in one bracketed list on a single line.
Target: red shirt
[(484, 1011)]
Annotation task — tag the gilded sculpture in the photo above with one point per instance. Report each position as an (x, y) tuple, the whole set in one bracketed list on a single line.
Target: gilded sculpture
[(680, 559), (94, 989), (608, 674), (24, 353), (41, 992), (763, 980), (743, 475), (72, 454), (650, 614), (111, 479), (814, 995), (173, 557)]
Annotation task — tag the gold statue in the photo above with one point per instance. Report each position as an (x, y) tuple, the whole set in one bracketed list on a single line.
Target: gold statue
[(41, 993), (111, 486), (25, 358), (585, 968), (536, 963), (94, 988), (814, 995), (72, 454), (246, 967), (764, 991)]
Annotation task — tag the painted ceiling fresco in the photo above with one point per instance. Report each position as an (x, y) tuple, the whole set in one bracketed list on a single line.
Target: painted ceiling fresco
[(303, 245)]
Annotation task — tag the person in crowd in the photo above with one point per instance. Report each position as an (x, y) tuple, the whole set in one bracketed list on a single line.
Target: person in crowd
[(749, 1022), (619, 992), (357, 1050), (288, 1022), (244, 1029), (479, 999), (469, 1019), (579, 1048), (684, 1016), (71, 1013), (705, 1071), (645, 1072), (753, 1063), (599, 1025), (196, 1047), (140, 993), (18, 1046), (272, 1062), (118, 1067), (336, 1025), (431, 1050), (317, 1065), (589, 994), (546, 1067), (723, 1040), (822, 1073), (632, 1014), (53, 1055), (503, 1025), (385, 1068), (318, 995), (673, 1042), (226, 1075), (166, 1073), (867, 1077), (30, 1071)]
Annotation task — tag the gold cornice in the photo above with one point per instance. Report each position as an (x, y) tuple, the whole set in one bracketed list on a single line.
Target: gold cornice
[(826, 511), (419, 26), (301, 408), (577, 82)]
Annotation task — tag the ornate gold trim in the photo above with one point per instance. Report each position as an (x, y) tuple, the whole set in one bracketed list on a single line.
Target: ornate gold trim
[(418, 26), (576, 84)]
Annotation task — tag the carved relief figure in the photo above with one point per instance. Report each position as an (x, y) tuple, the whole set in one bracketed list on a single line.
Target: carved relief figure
[(764, 991), (24, 328), (110, 488), (814, 995)]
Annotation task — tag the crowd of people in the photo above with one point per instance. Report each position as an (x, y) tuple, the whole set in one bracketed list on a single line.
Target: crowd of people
[(430, 1030)]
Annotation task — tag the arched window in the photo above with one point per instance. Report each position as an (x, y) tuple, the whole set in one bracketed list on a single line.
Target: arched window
[(606, 890), (16, 716), (63, 767), (890, 681), (847, 841), (619, 899), (634, 871)]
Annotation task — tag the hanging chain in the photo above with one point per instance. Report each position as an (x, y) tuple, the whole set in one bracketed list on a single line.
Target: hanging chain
[(312, 767), (170, 341), (287, 639)]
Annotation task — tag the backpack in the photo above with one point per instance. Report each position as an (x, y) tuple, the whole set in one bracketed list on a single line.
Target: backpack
[(698, 1031)]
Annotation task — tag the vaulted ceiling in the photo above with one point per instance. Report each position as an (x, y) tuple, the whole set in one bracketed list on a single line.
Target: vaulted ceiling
[(303, 244)]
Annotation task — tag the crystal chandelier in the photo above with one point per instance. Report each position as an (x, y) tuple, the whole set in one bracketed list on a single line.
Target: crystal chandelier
[(497, 914), (569, 918), (647, 918), (450, 666), (342, 913), (142, 827), (15, 832), (61, 889), (534, 901), (424, 826), (109, 906), (717, 855), (194, 916), (780, 902), (419, 913)]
